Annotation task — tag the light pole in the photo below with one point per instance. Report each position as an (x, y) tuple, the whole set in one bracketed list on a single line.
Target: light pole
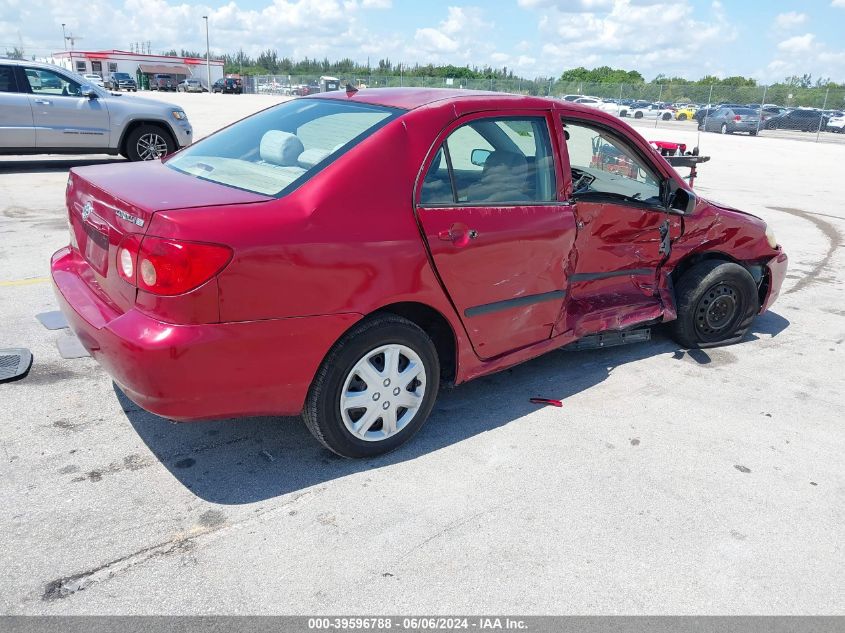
[(207, 54)]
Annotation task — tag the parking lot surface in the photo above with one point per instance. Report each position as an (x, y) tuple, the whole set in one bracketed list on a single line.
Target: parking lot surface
[(671, 481)]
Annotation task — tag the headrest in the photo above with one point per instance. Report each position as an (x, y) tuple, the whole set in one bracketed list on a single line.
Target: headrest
[(311, 157), (280, 148), (504, 162)]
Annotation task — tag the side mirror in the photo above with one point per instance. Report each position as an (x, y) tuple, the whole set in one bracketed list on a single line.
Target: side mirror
[(479, 156), (677, 199), (87, 91)]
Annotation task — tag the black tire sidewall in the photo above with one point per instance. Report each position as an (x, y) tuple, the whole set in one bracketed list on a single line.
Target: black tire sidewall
[(137, 133), (322, 408), (699, 280)]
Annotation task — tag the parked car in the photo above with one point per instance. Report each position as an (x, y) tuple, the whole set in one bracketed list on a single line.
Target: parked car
[(642, 110), (606, 105), (805, 120), (163, 82), (41, 119), (730, 120), (122, 81), (836, 123), (191, 85), (228, 85), (685, 112), (709, 110), (94, 79), (397, 274)]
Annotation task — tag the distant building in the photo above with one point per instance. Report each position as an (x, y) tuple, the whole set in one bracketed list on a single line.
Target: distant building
[(138, 65)]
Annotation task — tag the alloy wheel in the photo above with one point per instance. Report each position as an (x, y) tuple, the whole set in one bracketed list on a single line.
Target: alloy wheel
[(383, 392), (151, 146)]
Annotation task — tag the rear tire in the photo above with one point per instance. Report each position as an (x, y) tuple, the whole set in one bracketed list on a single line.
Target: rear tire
[(149, 142), (716, 304), (355, 405)]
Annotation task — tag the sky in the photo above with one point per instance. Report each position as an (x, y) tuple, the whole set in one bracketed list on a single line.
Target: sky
[(767, 40)]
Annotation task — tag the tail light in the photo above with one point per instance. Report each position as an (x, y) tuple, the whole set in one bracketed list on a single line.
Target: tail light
[(737, 118), (169, 267)]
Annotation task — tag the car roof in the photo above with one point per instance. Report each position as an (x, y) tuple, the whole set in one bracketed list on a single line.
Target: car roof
[(412, 98)]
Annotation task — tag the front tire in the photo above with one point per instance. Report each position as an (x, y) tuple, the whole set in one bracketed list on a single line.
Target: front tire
[(682, 116), (716, 303), (638, 115), (375, 388), (149, 142)]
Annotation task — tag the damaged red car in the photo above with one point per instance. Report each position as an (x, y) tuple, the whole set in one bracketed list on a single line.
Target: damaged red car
[(343, 255)]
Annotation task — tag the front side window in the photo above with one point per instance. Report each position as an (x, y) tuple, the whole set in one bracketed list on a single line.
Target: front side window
[(274, 151), (493, 161), (604, 164), (47, 82)]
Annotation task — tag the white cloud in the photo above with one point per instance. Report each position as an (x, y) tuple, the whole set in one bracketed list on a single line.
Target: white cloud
[(646, 35), (838, 3), (797, 44), (461, 38), (789, 20)]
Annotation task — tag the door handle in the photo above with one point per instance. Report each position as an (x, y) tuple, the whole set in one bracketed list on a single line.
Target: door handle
[(43, 102), (458, 234)]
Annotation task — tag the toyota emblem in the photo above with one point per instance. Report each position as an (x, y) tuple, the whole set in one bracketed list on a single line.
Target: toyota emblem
[(87, 210)]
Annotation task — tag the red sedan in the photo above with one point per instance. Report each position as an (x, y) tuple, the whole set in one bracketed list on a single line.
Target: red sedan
[(340, 255)]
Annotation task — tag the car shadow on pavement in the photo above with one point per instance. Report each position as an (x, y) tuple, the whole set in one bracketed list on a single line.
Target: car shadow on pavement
[(49, 165), (239, 461)]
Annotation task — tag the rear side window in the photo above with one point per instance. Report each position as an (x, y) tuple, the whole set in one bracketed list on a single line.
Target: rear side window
[(7, 79), (493, 162), (276, 150)]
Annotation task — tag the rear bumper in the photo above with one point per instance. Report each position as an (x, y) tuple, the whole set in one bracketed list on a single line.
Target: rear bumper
[(776, 268), (192, 372)]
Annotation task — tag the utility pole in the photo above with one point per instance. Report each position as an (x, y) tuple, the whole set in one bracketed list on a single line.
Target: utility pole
[(207, 54), (821, 114)]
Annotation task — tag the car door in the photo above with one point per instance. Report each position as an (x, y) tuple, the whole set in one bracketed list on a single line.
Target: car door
[(624, 231), (63, 118), (16, 125), (499, 235)]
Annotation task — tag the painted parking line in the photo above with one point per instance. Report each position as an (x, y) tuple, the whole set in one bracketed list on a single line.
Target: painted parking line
[(24, 282)]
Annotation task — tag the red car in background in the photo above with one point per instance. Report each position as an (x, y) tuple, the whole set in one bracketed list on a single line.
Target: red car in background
[(340, 255)]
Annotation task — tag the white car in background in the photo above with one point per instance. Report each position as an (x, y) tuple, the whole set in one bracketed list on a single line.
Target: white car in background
[(647, 111), (605, 105), (94, 79), (836, 124)]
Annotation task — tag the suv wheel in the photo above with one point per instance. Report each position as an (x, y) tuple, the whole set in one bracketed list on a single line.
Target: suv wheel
[(149, 142), (375, 388)]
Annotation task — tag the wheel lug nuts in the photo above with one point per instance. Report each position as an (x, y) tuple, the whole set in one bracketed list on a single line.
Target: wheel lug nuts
[(386, 405), (376, 396), (387, 382), (396, 391)]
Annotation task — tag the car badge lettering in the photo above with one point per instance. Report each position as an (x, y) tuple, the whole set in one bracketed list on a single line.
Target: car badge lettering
[(87, 210), (129, 217)]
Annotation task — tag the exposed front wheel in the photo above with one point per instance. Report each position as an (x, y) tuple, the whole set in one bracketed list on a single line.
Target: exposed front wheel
[(149, 142), (375, 389), (638, 115), (716, 303), (682, 117)]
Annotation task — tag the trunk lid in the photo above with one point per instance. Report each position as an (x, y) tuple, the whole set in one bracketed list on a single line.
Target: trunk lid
[(107, 203)]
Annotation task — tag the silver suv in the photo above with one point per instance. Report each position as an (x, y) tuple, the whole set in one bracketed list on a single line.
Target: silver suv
[(45, 109)]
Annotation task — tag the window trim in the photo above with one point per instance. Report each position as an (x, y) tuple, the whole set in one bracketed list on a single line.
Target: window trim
[(545, 114)]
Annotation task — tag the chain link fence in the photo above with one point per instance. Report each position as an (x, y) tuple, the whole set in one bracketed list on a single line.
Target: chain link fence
[(823, 97)]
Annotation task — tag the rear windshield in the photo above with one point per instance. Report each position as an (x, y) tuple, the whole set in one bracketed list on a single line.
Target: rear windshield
[(744, 111), (276, 150)]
